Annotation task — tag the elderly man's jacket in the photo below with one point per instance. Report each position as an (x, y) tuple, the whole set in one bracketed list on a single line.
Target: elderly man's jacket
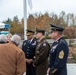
[(12, 60)]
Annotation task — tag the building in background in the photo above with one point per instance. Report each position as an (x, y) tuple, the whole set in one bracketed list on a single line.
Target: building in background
[(4, 28)]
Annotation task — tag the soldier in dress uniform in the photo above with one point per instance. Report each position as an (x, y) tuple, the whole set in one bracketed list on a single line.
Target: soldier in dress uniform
[(58, 52), (28, 47), (41, 54)]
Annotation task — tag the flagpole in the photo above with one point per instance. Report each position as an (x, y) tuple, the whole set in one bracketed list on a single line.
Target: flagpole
[(25, 18)]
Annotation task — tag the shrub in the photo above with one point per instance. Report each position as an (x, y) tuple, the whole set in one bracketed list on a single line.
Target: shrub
[(48, 37), (65, 36), (74, 56)]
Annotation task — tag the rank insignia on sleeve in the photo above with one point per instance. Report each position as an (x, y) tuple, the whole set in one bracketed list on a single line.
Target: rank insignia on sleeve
[(61, 54)]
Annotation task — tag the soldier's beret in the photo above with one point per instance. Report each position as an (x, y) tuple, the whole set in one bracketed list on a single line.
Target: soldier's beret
[(29, 32), (56, 28)]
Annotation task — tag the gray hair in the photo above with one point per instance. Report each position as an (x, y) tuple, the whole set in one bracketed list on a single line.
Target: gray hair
[(3, 38), (16, 39), (9, 35)]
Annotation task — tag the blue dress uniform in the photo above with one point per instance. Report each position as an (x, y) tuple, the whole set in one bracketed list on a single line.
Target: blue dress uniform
[(58, 56), (29, 49)]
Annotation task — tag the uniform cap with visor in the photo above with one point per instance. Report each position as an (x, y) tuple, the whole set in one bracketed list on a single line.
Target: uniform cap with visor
[(40, 31), (29, 32), (56, 28)]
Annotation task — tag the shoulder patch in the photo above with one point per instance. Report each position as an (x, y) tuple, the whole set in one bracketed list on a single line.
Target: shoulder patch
[(61, 54), (44, 44)]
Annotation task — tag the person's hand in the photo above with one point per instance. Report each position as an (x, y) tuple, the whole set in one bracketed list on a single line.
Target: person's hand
[(30, 61), (26, 60)]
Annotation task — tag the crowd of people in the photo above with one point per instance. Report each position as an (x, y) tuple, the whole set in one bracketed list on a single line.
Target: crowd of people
[(36, 56)]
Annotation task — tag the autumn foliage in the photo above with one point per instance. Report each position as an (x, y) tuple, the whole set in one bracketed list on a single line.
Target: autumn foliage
[(39, 20)]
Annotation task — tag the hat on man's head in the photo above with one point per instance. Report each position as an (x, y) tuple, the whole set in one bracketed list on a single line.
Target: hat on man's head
[(29, 32), (40, 31), (56, 28)]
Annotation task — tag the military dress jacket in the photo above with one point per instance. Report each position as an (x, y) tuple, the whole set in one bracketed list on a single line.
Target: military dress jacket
[(41, 57), (58, 57), (29, 48)]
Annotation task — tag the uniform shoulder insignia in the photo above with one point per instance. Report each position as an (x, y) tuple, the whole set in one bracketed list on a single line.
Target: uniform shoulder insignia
[(61, 54), (44, 44)]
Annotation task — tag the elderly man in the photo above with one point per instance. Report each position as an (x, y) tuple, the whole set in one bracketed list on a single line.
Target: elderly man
[(12, 58), (58, 52), (3, 39)]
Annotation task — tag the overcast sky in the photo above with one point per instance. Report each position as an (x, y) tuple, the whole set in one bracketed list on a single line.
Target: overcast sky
[(11, 8)]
